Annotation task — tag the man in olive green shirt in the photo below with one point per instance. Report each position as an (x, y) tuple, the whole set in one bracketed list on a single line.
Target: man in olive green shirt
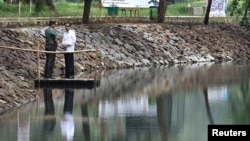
[(51, 45)]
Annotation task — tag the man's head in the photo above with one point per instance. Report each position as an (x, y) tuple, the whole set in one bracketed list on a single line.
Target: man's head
[(67, 26), (52, 23)]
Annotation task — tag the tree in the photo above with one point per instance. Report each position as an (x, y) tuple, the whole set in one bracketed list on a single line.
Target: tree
[(86, 11), (39, 5), (162, 8), (50, 4), (245, 19), (240, 8), (206, 19)]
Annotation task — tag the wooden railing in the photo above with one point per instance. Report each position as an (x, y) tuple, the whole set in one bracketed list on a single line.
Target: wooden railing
[(38, 51)]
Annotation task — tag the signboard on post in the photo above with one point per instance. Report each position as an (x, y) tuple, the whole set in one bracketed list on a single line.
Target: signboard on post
[(130, 3), (218, 8)]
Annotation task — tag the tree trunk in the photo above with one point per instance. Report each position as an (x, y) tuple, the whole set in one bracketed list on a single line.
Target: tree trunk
[(206, 19), (246, 10), (244, 21), (39, 5), (50, 4), (86, 11), (30, 6), (161, 11), (19, 7)]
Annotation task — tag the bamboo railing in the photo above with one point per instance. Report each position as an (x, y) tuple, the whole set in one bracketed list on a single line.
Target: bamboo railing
[(38, 51)]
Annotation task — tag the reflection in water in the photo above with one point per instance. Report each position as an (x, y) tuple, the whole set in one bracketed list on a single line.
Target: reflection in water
[(23, 131), (240, 103), (207, 106), (67, 121), (49, 118), (164, 114), (85, 124), (146, 104)]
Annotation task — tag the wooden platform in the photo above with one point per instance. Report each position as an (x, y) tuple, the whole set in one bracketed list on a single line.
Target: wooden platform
[(61, 83)]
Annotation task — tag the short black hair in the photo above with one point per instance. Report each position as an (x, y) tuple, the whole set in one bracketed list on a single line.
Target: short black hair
[(52, 22), (67, 23)]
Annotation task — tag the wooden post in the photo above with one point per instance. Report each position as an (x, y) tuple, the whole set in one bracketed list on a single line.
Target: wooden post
[(38, 77), (96, 61), (95, 69), (38, 62)]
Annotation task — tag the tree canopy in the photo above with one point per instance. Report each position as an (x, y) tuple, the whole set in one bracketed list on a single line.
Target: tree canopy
[(241, 8)]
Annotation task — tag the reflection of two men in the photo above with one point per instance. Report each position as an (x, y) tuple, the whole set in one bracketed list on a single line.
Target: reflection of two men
[(67, 121)]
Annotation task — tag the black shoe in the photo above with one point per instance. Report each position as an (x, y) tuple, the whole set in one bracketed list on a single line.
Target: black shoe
[(70, 77), (49, 77)]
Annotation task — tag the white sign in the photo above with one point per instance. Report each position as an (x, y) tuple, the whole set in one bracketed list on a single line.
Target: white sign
[(130, 3), (218, 8)]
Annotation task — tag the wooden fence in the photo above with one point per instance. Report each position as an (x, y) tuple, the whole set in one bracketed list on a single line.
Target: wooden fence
[(43, 21), (38, 51)]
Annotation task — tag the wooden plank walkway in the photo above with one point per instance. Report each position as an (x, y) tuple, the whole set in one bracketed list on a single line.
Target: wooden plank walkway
[(63, 83)]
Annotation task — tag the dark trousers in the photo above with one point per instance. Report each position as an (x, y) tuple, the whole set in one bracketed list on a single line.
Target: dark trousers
[(49, 124), (69, 64), (50, 61), (48, 100), (68, 101)]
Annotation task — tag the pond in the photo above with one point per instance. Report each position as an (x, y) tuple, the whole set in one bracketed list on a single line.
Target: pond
[(174, 103)]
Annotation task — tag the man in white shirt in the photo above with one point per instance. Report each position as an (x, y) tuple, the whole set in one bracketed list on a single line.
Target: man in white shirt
[(68, 43)]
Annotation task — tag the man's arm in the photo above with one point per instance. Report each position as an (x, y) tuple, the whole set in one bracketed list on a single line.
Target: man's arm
[(56, 43), (55, 38), (74, 37)]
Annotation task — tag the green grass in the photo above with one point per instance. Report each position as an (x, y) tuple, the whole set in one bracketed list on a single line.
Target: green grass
[(10, 10), (178, 9), (69, 9), (76, 9)]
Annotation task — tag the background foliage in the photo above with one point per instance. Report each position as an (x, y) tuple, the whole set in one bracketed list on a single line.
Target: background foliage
[(239, 9)]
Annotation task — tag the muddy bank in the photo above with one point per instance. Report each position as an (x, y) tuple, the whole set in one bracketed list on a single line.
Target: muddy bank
[(120, 46)]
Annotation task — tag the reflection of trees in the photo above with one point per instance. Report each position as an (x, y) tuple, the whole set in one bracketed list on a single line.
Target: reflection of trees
[(159, 80), (240, 102), (210, 118), (245, 91), (164, 113), (85, 124)]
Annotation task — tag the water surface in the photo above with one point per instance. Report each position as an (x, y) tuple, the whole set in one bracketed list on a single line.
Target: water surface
[(142, 104)]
